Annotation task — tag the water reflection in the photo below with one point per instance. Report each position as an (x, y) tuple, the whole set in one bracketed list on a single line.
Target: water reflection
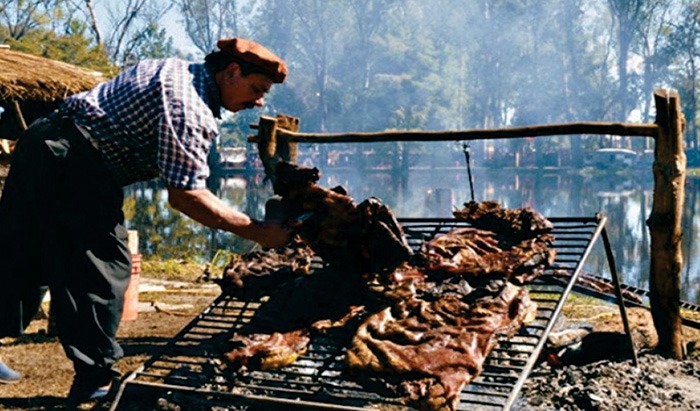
[(626, 199)]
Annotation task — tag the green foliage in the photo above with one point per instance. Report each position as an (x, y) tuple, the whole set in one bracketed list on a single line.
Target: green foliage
[(170, 269), (72, 47), (155, 43)]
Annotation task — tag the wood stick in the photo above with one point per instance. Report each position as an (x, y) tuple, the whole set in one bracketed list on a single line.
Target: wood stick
[(18, 114), (618, 129)]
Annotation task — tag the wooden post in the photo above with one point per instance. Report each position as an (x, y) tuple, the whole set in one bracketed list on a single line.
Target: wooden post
[(267, 145), (286, 148), (18, 114), (665, 224)]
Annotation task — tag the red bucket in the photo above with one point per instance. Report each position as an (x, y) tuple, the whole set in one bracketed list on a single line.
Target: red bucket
[(131, 297)]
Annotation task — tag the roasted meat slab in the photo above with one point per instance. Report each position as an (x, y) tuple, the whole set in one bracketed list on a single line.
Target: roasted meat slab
[(511, 225), (437, 346), (359, 238), (267, 351), (264, 268), (479, 256), (290, 314)]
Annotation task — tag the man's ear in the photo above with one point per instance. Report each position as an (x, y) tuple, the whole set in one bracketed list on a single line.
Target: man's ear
[(230, 71)]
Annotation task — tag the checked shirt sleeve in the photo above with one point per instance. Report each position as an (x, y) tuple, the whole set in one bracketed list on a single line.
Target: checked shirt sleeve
[(185, 133)]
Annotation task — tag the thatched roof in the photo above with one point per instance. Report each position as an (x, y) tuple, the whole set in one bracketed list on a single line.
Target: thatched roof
[(31, 78)]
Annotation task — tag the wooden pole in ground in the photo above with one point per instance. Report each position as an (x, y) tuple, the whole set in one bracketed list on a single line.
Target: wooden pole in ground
[(287, 149), (665, 224), (267, 145), (18, 115)]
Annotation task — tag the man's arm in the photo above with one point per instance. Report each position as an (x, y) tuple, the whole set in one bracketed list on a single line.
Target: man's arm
[(206, 208)]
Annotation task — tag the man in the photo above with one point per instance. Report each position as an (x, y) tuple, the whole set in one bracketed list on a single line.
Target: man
[(61, 221)]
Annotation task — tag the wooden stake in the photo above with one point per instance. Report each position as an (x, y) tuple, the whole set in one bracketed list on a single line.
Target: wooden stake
[(18, 114), (665, 224), (286, 148), (267, 145)]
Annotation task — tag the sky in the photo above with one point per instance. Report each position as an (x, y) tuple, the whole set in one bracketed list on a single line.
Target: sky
[(171, 22)]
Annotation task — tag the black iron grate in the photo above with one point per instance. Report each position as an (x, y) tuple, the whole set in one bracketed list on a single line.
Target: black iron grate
[(186, 372)]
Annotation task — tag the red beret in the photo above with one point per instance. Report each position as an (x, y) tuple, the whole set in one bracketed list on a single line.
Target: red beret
[(257, 55)]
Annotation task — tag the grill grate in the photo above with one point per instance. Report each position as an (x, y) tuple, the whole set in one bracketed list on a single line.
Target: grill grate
[(185, 372)]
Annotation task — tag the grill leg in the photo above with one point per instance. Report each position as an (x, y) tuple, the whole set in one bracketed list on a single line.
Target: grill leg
[(618, 294)]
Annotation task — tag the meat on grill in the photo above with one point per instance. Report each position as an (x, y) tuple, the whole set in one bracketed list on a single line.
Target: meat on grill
[(267, 351), (289, 314), (431, 329), (511, 225), (437, 346), (360, 238), (255, 269), (478, 255)]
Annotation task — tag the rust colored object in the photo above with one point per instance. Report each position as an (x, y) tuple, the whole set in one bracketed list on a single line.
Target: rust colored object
[(356, 238), (437, 346), (267, 351), (426, 325), (479, 255), (512, 225), (285, 262)]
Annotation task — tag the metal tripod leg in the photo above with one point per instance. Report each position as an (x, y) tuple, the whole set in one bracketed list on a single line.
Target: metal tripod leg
[(618, 294)]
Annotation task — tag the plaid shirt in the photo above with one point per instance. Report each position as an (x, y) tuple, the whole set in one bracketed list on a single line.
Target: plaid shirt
[(157, 118)]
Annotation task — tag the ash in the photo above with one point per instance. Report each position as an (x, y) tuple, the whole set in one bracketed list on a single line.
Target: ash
[(657, 384)]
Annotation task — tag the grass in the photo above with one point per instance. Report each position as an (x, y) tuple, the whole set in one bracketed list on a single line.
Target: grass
[(176, 270)]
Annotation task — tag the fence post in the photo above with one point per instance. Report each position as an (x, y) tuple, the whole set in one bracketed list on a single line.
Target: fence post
[(665, 224), (267, 145), (287, 149)]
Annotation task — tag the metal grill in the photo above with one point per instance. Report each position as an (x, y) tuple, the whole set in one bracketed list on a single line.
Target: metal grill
[(185, 373)]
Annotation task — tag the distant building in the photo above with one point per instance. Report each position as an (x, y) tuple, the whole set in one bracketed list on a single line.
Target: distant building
[(612, 158)]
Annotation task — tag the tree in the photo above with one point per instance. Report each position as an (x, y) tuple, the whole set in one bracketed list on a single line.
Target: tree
[(91, 17), (73, 47), (654, 35), (206, 21), (685, 43), (133, 24), (19, 17)]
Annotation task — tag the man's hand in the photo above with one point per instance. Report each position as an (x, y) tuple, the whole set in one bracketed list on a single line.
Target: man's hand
[(273, 235), (206, 208)]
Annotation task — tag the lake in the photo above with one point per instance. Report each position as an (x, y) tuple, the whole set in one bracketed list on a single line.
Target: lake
[(624, 197)]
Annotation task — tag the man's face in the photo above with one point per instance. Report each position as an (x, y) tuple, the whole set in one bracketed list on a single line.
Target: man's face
[(240, 92)]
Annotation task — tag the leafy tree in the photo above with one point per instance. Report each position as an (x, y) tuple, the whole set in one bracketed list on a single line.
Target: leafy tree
[(72, 47), (154, 43), (685, 43), (135, 23), (206, 21), (20, 17)]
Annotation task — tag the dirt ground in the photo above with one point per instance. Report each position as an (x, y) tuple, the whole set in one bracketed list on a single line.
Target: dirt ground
[(167, 305), (163, 311)]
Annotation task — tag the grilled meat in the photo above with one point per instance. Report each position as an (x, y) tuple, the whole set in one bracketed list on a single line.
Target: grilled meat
[(435, 319), (479, 256), (511, 225), (437, 346), (357, 238), (267, 351), (256, 269)]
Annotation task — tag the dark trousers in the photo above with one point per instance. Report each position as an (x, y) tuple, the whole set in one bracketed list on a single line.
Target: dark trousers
[(61, 225)]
